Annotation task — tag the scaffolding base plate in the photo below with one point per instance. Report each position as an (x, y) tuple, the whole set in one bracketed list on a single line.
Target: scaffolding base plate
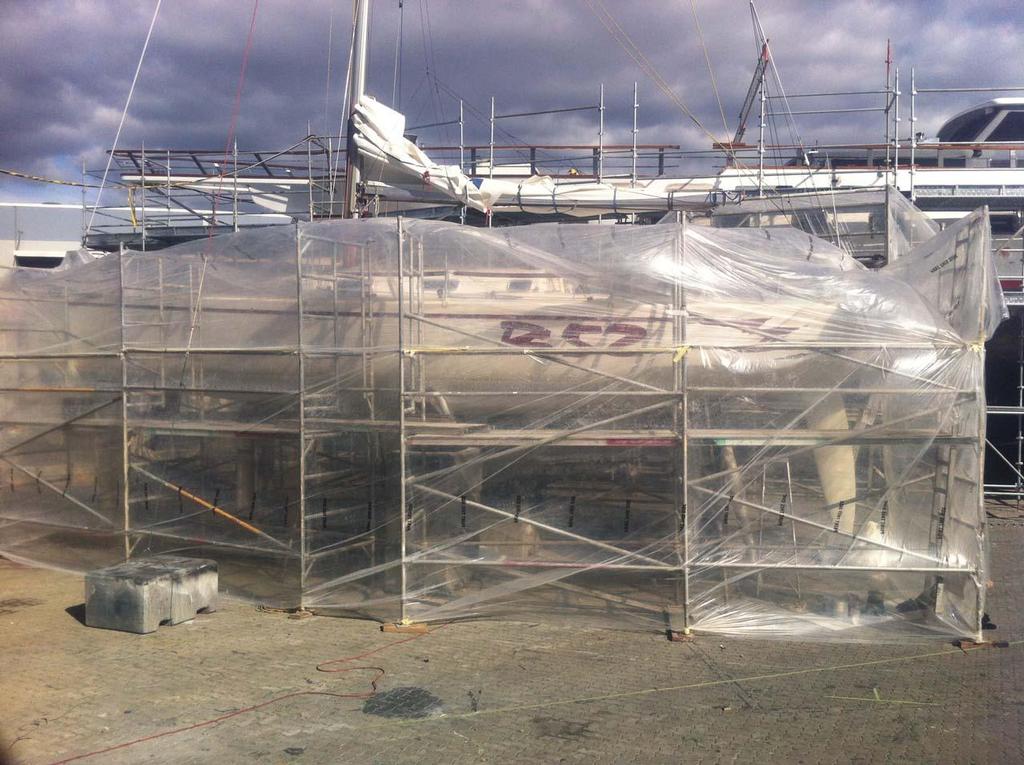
[(414, 628), (675, 636)]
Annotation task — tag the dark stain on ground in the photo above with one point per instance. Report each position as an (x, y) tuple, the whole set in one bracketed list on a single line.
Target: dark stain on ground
[(552, 727), (294, 751), (405, 702), (10, 605)]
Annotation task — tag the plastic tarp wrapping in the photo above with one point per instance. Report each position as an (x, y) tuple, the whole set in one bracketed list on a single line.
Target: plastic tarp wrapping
[(712, 429), (877, 226), (906, 224)]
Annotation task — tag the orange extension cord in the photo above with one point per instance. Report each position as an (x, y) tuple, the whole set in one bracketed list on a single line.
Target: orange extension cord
[(321, 667)]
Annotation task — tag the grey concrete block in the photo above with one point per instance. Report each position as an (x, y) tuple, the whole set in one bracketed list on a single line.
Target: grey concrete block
[(140, 595)]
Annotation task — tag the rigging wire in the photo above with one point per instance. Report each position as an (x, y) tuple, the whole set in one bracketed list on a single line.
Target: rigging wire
[(396, 85), (620, 36), (433, 69), (236, 110), (430, 66), (432, 103), (796, 139), (707, 60), (416, 116), (124, 114), (483, 118), (330, 50)]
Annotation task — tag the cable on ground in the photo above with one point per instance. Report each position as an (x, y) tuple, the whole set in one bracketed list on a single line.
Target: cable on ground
[(328, 666)]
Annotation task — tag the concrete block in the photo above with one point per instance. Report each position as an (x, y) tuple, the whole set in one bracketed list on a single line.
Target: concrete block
[(140, 595)]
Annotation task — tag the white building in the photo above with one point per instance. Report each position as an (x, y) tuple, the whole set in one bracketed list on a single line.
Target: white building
[(38, 233)]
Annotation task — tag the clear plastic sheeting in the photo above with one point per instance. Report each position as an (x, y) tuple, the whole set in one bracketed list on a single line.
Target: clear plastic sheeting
[(876, 227), (643, 426)]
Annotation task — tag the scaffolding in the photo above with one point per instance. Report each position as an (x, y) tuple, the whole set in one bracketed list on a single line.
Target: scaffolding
[(184, 194), (946, 178), (664, 425), (175, 195)]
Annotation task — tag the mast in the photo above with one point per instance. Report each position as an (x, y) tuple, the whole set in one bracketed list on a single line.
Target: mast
[(357, 86)]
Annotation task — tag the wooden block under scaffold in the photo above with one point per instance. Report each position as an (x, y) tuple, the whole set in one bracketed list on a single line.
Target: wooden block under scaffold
[(414, 628), (680, 637), (967, 644)]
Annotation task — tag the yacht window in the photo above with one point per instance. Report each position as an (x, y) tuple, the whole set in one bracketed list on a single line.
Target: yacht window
[(1005, 225), (1010, 129), (966, 127), (520, 285)]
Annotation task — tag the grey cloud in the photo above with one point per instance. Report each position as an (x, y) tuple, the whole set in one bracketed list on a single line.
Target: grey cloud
[(65, 67)]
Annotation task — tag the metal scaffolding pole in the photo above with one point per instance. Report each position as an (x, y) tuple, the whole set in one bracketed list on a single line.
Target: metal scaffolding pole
[(309, 169), (896, 129), (600, 137), (636, 107), (167, 192), (1020, 380), (83, 204), (976, 579), (913, 133), (302, 415), (234, 189), (1019, 487), (125, 504), (760, 137), (142, 193), (403, 510), (888, 111), (681, 417)]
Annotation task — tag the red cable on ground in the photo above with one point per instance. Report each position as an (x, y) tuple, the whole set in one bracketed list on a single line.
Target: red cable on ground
[(227, 716), (321, 665)]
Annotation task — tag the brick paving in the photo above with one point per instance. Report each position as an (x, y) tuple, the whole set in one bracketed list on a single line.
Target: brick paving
[(495, 692)]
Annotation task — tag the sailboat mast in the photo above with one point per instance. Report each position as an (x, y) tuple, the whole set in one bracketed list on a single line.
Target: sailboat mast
[(357, 87)]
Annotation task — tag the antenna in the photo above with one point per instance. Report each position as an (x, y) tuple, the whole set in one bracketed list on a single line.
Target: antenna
[(756, 84)]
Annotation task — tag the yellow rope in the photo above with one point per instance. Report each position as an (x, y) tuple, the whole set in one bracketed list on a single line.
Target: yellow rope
[(707, 684), (40, 179), (677, 351), (131, 206)]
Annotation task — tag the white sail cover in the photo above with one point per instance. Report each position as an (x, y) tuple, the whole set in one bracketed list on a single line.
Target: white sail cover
[(380, 139), (408, 174)]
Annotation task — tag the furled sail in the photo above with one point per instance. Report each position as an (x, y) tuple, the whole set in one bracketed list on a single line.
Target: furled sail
[(400, 170)]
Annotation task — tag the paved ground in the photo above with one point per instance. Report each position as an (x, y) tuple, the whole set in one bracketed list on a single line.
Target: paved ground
[(493, 692)]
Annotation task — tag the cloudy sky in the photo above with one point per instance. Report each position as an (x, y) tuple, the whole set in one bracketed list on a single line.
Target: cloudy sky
[(66, 67)]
